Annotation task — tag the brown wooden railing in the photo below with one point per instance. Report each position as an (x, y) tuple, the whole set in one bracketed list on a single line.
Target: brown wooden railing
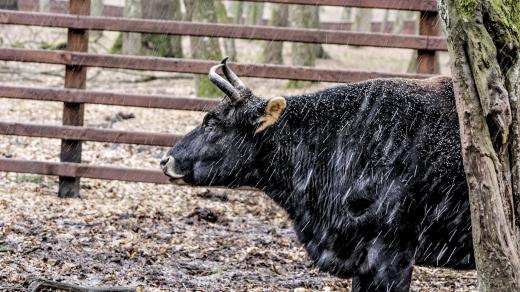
[(76, 60)]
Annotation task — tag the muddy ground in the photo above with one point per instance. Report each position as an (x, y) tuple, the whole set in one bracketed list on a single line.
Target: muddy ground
[(162, 238)]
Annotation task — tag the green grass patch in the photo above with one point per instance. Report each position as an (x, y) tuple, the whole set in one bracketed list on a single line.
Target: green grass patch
[(37, 179)]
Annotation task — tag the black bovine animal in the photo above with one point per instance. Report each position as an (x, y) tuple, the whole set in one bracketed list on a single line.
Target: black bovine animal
[(370, 173)]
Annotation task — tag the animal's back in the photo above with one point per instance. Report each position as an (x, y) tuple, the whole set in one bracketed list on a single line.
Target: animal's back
[(386, 166)]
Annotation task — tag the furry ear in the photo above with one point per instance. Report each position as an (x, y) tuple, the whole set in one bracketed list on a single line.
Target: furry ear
[(273, 111)]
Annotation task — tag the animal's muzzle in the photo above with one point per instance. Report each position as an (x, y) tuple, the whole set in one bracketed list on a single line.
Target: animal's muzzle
[(168, 167)]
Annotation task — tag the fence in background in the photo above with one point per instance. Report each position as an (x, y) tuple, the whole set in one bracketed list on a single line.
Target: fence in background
[(55, 6), (76, 60)]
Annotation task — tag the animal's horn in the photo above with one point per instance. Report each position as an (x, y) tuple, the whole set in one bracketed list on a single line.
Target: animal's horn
[(231, 76), (222, 84)]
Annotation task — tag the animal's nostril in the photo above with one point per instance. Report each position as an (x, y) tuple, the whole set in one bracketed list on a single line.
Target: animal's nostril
[(165, 160)]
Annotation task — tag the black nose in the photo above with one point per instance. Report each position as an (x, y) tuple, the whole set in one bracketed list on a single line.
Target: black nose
[(165, 160)]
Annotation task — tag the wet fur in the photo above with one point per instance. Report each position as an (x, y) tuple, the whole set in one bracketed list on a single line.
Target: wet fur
[(370, 173)]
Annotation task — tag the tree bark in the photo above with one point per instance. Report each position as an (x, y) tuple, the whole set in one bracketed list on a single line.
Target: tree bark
[(157, 44), (44, 5), (96, 9), (401, 18), (9, 4), (346, 14), (363, 20), (302, 54), (320, 51), (385, 22), (204, 47), (255, 13), (484, 44), (410, 15), (273, 51), (222, 17), (131, 42)]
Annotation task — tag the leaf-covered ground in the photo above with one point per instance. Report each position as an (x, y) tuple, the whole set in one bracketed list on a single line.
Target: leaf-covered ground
[(162, 238)]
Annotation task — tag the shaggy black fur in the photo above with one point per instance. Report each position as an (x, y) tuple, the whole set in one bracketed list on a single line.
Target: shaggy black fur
[(370, 173)]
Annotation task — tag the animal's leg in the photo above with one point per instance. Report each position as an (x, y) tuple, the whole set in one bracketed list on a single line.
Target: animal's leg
[(389, 271)]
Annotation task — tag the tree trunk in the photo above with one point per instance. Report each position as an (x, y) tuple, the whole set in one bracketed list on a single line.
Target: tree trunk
[(255, 13), (204, 47), (302, 54), (96, 9), (385, 22), (222, 17), (401, 18), (346, 14), (320, 51), (131, 42), (9, 4), (363, 20), (410, 15), (273, 51), (44, 5), (484, 45), (157, 44), (237, 12)]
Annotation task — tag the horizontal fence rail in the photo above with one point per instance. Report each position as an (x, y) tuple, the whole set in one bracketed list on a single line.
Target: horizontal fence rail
[(193, 66), (107, 98), (225, 30), (417, 5), (88, 134), (92, 171), (83, 170)]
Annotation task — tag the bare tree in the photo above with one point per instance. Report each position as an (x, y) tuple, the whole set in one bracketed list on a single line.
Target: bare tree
[(96, 9), (44, 5), (385, 22), (402, 17), (162, 45), (130, 43), (204, 47), (302, 54), (255, 13), (484, 45), (9, 4), (320, 51), (346, 14), (273, 51), (223, 17), (363, 20)]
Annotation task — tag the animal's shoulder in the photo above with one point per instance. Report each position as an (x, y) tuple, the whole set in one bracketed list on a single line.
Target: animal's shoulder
[(440, 85)]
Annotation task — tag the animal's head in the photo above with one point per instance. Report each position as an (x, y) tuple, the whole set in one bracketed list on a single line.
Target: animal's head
[(224, 150)]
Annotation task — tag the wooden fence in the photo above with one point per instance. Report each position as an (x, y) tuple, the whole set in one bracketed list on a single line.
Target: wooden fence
[(76, 60), (56, 6)]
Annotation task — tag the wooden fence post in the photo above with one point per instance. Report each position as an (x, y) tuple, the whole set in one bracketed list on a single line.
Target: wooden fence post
[(428, 26), (75, 77)]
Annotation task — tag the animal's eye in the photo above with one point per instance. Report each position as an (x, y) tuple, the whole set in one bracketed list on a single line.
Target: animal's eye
[(210, 124)]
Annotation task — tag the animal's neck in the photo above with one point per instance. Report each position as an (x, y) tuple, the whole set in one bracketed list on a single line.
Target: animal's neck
[(310, 153), (292, 175)]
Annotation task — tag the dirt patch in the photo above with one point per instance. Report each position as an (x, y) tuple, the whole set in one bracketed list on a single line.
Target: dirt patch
[(162, 238)]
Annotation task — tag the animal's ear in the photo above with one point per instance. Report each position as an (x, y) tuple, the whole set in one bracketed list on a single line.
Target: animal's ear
[(272, 112)]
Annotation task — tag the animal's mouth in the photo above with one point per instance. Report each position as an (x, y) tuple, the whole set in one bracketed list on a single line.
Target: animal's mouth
[(178, 181), (168, 168)]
